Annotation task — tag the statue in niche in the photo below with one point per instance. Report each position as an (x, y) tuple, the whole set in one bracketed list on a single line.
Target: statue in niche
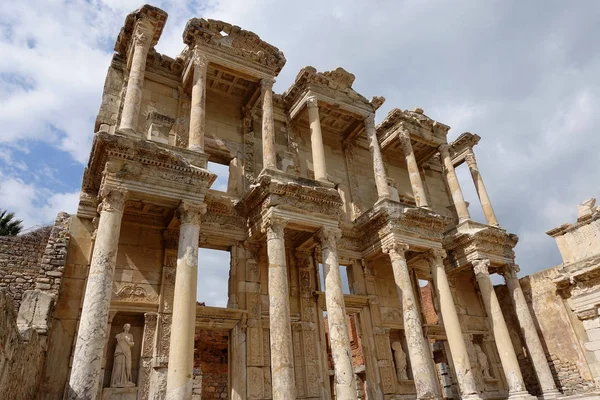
[(121, 372), (482, 359), (400, 361)]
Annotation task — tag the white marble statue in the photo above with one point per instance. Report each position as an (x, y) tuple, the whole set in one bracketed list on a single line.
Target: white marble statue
[(121, 372), (483, 361), (400, 361)]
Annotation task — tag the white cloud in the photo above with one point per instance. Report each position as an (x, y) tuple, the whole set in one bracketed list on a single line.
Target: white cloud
[(36, 207)]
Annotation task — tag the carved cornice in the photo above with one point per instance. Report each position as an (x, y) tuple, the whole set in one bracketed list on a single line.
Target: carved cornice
[(154, 15), (462, 146), (233, 42), (275, 188), (145, 166), (410, 118), (336, 84)]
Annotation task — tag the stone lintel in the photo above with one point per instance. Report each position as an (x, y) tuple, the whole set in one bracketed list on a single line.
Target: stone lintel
[(333, 87), (461, 146), (325, 96), (471, 240), (229, 45), (147, 169)]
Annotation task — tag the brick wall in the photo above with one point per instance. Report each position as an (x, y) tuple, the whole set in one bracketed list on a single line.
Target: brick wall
[(34, 260), (210, 356)]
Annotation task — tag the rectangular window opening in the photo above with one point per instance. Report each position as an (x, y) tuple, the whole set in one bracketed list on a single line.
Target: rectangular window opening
[(213, 277), (343, 276), (221, 184)]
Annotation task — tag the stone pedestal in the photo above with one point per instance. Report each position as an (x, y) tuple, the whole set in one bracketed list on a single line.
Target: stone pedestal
[(508, 358), (339, 339), (129, 393), (282, 357), (93, 326), (530, 335), (418, 350), (181, 348)]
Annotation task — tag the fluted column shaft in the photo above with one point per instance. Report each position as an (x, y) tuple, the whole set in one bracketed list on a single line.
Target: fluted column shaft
[(339, 339), (458, 349), (268, 124), (181, 347), (198, 103), (383, 190), (93, 326), (280, 331), (142, 38), (413, 171), (418, 349), (316, 139), (454, 185), (529, 332), (508, 358), (484, 199)]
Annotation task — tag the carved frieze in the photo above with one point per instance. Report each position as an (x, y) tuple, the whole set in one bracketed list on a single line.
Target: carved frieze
[(134, 293)]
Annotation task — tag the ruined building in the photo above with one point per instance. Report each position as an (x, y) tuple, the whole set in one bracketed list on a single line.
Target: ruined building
[(314, 187)]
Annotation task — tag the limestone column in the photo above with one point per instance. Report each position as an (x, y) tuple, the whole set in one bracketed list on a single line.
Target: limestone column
[(529, 332), (142, 40), (458, 349), (484, 199), (280, 327), (418, 349), (508, 358), (183, 323), (413, 170), (268, 125), (339, 339), (383, 190), (454, 185), (93, 325), (316, 139), (198, 103)]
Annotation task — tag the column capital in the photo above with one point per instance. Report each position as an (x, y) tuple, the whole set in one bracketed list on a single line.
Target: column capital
[(312, 102), (266, 84), (444, 149), (275, 227), (470, 158), (395, 249), (190, 213), (510, 271), (329, 237), (435, 255), (199, 59), (370, 122), (481, 268), (112, 200)]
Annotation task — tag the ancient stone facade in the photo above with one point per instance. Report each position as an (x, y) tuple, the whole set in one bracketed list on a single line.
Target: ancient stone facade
[(315, 188), (564, 302)]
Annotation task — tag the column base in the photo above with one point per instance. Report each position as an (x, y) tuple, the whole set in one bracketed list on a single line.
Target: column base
[(472, 397), (550, 394), (524, 395), (129, 132)]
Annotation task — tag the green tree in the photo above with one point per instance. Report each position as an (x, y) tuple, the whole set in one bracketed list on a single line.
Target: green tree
[(9, 226)]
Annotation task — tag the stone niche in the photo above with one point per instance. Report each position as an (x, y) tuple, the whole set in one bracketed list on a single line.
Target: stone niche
[(137, 330)]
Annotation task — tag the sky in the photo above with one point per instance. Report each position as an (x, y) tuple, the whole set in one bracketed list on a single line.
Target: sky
[(525, 76)]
